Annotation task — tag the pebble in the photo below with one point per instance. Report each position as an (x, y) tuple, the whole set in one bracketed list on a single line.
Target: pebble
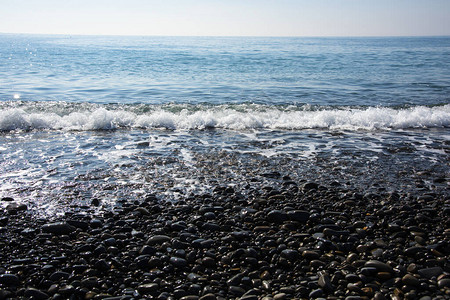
[(209, 296), (12, 208), (290, 254), (148, 288), (444, 283), (35, 294), (308, 254), (178, 262), (277, 216), (298, 215), (157, 240), (59, 228), (317, 293), (310, 186), (325, 282), (280, 296), (408, 279), (430, 272), (58, 275), (9, 280), (380, 266)]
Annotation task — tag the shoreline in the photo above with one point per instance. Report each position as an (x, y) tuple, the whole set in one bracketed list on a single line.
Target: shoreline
[(299, 241)]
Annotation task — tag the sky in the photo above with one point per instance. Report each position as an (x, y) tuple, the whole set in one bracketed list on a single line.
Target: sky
[(227, 17)]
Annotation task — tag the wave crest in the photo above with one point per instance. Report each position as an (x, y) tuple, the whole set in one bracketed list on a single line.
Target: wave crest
[(240, 117)]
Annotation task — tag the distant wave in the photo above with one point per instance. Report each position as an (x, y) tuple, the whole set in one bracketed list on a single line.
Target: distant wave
[(65, 116)]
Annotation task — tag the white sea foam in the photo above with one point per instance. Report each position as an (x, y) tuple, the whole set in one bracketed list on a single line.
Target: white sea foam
[(228, 117)]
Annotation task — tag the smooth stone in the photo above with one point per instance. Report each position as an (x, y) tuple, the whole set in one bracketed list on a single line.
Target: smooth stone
[(209, 296), (298, 215), (287, 290), (96, 224), (316, 294), (58, 275), (412, 268), (235, 280), (209, 262), (143, 211), (310, 186), (444, 283), (236, 290), (9, 280), (249, 297), (247, 211), (430, 272), (210, 215), (315, 263), (354, 288), (411, 251), (148, 288), (380, 266), (79, 224), (35, 294), (309, 254), (377, 252), (277, 216), (178, 226), (193, 277), (262, 228), (352, 257), (178, 262), (409, 279), (60, 228), (384, 275), (290, 254), (280, 296), (379, 296), (369, 271), (325, 282), (211, 226), (157, 240), (16, 207), (4, 294), (147, 250), (189, 297)]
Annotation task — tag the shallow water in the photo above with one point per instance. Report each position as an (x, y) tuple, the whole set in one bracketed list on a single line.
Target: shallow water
[(54, 170)]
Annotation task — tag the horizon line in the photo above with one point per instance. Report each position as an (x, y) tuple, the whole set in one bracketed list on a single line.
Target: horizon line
[(230, 36)]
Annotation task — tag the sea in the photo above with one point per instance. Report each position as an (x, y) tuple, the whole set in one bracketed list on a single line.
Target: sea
[(88, 123)]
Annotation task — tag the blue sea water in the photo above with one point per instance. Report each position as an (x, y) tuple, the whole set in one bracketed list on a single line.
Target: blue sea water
[(112, 117)]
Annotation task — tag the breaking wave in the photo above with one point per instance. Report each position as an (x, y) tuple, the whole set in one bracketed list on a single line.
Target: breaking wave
[(80, 117)]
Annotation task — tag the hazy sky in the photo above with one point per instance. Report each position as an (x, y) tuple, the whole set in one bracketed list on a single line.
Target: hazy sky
[(228, 17)]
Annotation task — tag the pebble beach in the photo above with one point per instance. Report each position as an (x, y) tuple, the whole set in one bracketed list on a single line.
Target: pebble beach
[(301, 240)]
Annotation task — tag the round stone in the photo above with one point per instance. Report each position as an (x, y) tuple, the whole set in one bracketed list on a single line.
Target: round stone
[(9, 280)]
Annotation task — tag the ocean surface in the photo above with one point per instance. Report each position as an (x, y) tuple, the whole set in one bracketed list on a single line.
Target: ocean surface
[(119, 118)]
